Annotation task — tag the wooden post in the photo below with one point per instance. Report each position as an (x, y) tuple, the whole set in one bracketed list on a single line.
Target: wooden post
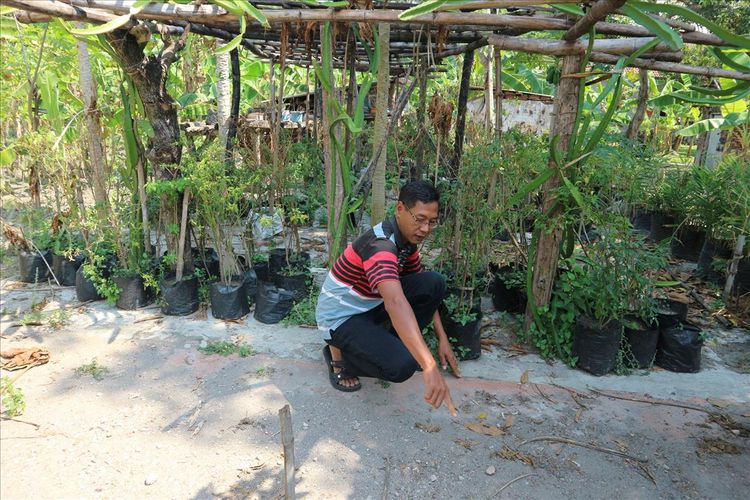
[(287, 441), (640, 111), (377, 206), (547, 240), (463, 97), (733, 266), (420, 166)]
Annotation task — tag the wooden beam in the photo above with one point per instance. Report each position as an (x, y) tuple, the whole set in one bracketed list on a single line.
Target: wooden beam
[(500, 4), (596, 13), (55, 8), (669, 67), (213, 15), (622, 46)]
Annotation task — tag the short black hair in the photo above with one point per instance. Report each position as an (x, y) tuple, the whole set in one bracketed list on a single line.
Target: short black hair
[(414, 191)]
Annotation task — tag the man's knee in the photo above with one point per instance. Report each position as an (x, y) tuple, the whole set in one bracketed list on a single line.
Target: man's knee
[(401, 371), (436, 281)]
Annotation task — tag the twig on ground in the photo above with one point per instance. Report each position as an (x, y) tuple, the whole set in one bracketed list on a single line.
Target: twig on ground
[(511, 482), (721, 319), (20, 421), (387, 478), (584, 445), (149, 318), (536, 386), (651, 401)]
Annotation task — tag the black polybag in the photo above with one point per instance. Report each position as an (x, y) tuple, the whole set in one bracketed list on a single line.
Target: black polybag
[(85, 289), (229, 302), (596, 345), (679, 349), (272, 303), (179, 298), (32, 266)]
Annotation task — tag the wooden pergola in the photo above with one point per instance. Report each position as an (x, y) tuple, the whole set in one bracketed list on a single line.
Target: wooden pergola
[(292, 37)]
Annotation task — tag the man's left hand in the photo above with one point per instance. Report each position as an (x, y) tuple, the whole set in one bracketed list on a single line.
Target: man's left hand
[(447, 357)]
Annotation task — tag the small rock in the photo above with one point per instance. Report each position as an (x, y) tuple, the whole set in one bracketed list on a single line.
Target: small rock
[(188, 346), (190, 358), (433, 478), (490, 470), (460, 478), (305, 425), (203, 344), (151, 479)]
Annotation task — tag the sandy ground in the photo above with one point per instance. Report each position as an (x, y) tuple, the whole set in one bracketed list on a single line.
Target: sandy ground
[(167, 421)]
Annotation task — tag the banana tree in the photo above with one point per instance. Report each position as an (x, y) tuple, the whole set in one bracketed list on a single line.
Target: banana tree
[(341, 151)]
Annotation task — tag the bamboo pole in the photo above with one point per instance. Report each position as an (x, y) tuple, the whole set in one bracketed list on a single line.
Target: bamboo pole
[(213, 15), (620, 46), (669, 67)]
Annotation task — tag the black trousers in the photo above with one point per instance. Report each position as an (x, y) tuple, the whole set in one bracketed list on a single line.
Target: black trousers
[(370, 345)]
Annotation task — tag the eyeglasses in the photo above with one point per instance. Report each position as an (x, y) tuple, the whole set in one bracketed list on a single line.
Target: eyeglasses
[(422, 222)]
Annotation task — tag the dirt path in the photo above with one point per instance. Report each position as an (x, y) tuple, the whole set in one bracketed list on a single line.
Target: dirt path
[(203, 426)]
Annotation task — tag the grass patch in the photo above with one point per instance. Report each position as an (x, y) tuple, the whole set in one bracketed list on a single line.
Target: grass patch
[(264, 371), (97, 371), (12, 401), (225, 348), (58, 319)]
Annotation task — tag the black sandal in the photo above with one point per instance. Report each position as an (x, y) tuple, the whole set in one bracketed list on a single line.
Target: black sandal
[(337, 378)]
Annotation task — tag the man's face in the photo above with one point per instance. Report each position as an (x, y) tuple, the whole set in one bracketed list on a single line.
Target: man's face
[(417, 222)]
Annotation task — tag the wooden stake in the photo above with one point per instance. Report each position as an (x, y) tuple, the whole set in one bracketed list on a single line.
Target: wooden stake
[(287, 441)]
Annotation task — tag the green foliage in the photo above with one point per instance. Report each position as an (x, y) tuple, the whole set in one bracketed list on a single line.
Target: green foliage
[(459, 310), (97, 371), (13, 401), (225, 348), (613, 279), (59, 318), (303, 312)]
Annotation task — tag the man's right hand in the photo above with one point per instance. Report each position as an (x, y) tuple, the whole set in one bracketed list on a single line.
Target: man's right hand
[(436, 389)]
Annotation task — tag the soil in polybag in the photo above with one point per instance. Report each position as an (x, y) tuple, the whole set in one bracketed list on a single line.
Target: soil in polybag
[(133, 294), (65, 269), (85, 289)]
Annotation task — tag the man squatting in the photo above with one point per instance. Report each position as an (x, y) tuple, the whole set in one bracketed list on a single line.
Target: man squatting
[(377, 298)]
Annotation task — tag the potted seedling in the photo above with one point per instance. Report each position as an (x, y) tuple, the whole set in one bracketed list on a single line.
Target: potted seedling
[(218, 198)]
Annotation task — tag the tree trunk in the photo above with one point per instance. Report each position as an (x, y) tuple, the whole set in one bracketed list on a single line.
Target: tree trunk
[(702, 144), (377, 211), (149, 75), (223, 98), (547, 239), (234, 58), (463, 96), (96, 150), (420, 166), (640, 111), (733, 266)]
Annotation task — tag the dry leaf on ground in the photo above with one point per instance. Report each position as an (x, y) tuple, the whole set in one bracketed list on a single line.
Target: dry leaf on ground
[(427, 427), (511, 454), (716, 446), (525, 377), (487, 430), (466, 443)]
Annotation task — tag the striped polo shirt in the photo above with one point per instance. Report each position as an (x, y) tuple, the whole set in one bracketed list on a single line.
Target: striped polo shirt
[(351, 287)]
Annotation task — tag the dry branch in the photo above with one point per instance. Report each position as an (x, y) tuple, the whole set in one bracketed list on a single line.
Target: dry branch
[(670, 67), (598, 11), (651, 401), (620, 46), (573, 442)]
